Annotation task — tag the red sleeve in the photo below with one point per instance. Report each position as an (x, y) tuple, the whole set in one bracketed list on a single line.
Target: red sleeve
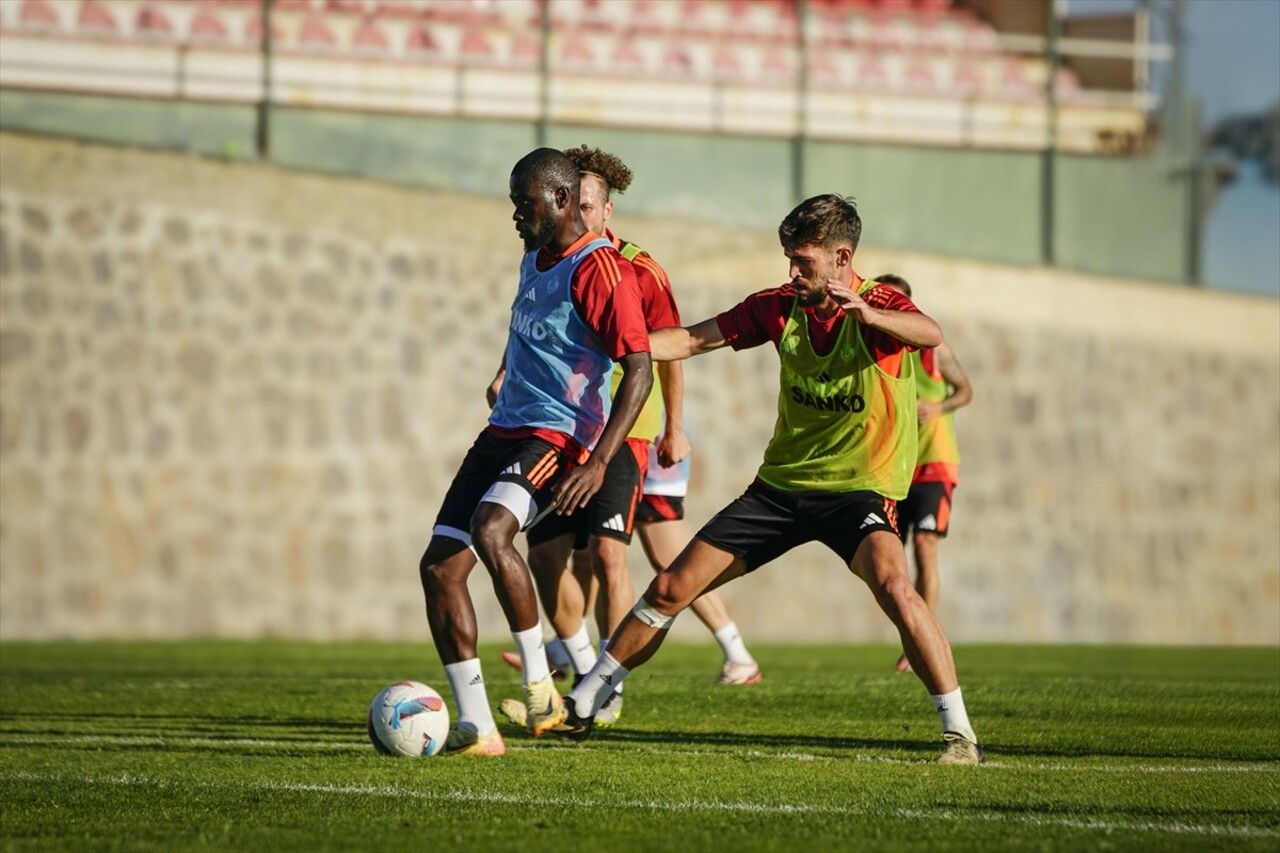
[(885, 348), (659, 302), (758, 319), (608, 301)]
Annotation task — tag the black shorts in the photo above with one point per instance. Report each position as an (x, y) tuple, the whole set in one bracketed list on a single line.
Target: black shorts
[(926, 508), (516, 473), (611, 512), (765, 523), (656, 508)]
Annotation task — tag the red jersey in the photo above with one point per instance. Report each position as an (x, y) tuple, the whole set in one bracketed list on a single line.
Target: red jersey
[(657, 299), (761, 317)]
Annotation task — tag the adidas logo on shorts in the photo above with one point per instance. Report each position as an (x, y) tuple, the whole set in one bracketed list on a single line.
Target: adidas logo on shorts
[(615, 523), (928, 523), (870, 520), (513, 469)]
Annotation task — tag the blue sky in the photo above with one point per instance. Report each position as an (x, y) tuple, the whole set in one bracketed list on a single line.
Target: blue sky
[(1232, 66)]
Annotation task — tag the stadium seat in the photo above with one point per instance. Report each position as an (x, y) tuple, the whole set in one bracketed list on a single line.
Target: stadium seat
[(153, 22), (41, 15), (425, 41), (476, 46), (778, 65), (678, 60), (966, 77), (763, 21), (371, 37), (465, 12), (525, 49), (350, 7), (630, 55), (400, 8), (95, 18), (726, 62), (654, 17), (316, 33), (871, 73), (253, 29), (208, 27)]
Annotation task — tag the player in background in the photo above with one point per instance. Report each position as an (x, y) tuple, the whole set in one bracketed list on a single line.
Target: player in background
[(942, 386), (576, 311), (841, 455), (605, 528)]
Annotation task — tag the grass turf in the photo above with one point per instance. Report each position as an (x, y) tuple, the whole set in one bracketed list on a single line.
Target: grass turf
[(197, 746)]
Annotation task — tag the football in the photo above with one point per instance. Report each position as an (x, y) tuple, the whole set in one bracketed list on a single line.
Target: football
[(408, 719)]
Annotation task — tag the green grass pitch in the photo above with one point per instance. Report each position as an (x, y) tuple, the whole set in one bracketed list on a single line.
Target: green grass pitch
[(261, 746)]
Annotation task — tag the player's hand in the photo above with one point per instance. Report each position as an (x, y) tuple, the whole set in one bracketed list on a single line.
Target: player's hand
[(579, 486), (673, 447), (491, 393), (849, 301), (927, 411)]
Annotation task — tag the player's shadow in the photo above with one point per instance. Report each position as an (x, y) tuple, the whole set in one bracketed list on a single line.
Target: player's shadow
[(153, 730), (739, 741)]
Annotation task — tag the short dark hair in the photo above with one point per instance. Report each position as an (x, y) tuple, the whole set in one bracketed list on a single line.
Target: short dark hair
[(605, 166), (828, 221), (550, 167), (894, 281)]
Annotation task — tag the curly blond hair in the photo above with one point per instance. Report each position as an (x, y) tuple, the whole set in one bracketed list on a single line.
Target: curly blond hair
[(608, 167)]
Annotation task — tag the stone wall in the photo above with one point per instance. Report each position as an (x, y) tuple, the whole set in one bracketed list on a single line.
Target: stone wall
[(232, 396)]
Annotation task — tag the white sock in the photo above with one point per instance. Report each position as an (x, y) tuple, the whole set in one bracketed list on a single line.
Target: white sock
[(954, 717), (579, 650), (604, 645), (558, 656), (467, 685), (595, 687), (730, 640), (533, 655)]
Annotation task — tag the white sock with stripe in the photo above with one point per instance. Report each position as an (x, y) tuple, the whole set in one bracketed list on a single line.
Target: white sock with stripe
[(604, 645), (954, 717), (596, 686), (469, 694)]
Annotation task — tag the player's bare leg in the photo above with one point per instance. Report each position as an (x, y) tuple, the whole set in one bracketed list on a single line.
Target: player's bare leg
[(493, 532), (559, 592), (882, 564), (617, 593), (924, 546), (699, 568), (662, 542), (444, 569), (615, 596)]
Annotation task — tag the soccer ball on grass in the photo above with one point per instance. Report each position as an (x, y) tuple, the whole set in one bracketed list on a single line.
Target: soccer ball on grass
[(408, 719)]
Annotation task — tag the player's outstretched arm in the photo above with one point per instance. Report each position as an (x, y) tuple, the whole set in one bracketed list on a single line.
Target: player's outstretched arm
[(676, 343)]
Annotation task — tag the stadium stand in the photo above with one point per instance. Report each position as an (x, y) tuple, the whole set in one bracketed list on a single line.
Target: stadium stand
[(882, 50)]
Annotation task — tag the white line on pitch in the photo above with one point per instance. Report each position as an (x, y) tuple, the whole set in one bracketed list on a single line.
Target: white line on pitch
[(469, 795), (1082, 766)]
